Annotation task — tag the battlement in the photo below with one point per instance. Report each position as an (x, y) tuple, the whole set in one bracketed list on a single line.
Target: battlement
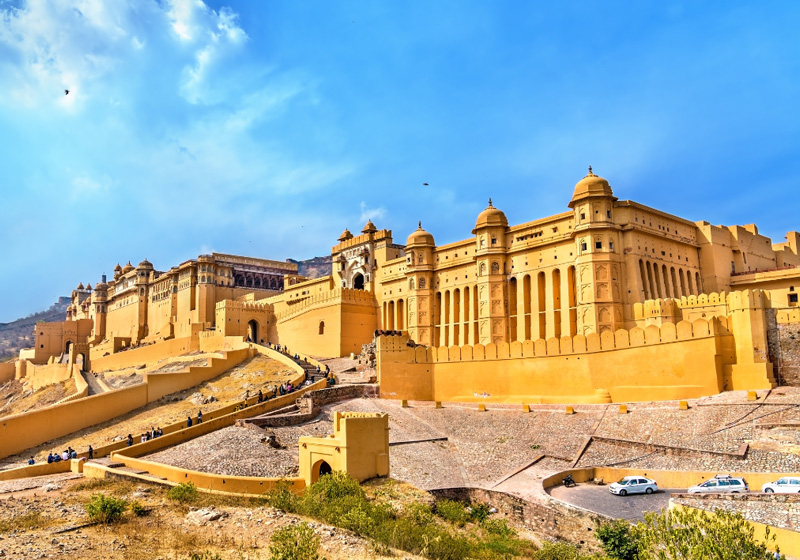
[(564, 346), (788, 316), (725, 302), (229, 304), (337, 295)]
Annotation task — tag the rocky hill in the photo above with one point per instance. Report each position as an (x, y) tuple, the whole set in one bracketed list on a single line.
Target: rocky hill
[(314, 268), (19, 334)]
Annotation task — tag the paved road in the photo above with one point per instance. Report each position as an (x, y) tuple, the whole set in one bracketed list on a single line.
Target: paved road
[(600, 500)]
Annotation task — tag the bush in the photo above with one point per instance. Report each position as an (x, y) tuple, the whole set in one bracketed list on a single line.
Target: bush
[(184, 492), (499, 527), (358, 521), (207, 555), (296, 542), (419, 513), (451, 511), (282, 498), (105, 509), (138, 509), (617, 540), (478, 512)]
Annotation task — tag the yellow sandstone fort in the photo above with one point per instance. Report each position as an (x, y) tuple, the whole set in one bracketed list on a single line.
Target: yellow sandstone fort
[(609, 301)]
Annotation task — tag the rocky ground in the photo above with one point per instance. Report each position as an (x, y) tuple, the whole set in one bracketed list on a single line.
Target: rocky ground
[(17, 398), (49, 521)]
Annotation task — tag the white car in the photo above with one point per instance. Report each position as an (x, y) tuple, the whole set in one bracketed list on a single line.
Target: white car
[(785, 485), (633, 485), (721, 483)]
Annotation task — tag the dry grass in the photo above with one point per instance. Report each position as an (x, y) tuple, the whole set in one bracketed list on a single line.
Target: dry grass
[(30, 521), (38, 399), (253, 374)]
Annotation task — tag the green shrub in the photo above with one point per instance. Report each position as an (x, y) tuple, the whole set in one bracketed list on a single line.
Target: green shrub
[(419, 513), (296, 542), (358, 521), (105, 509), (184, 492), (282, 498), (451, 511), (478, 512), (207, 555), (138, 509), (499, 527), (617, 540)]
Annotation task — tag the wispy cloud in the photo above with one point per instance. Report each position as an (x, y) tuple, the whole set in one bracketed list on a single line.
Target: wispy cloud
[(368, 213)]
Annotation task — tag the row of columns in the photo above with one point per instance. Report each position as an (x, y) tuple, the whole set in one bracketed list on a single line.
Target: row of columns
[(543, 305), (663, 282)]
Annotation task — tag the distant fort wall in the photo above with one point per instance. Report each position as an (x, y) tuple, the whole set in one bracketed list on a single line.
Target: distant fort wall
[(7, 371)]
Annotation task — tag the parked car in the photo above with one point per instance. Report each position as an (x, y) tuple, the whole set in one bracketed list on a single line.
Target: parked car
[(785, 485), (721, 483), (633, 485)]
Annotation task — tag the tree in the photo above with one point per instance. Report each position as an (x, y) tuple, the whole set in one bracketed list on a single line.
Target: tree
[(617, 540), (686, 534)]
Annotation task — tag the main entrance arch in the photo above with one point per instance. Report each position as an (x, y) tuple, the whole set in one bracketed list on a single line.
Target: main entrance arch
[(358, 281)]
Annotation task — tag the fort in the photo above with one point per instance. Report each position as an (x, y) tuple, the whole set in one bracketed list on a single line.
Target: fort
[(611, 301), (634, 336)]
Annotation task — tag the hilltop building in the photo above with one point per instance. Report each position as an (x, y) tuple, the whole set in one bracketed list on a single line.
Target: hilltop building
[(503, 304)]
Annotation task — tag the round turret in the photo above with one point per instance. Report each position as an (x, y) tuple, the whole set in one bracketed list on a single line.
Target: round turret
[(369, 227), (490, 217), (145, 264), (345, 235), (127, 268), (591, 185), (420, 237)]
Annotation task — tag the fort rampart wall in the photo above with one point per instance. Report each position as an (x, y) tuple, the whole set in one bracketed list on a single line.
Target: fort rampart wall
[(146, 354), (7, 371), (612, 367)]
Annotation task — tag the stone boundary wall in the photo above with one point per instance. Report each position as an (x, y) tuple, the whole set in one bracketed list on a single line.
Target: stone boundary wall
[(672, 449), (783, 336), (145, 354), (8, 370), (339, 393), (553, 518)]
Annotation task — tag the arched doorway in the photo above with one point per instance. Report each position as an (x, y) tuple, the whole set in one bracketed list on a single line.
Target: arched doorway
[(67, 347), (320, 468), (358, 281), (252, 331)]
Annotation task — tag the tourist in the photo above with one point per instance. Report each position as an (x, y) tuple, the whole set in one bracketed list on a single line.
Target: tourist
[(281, 390), (130, 440), (199, 416), (143, 438), (31, 461), (289, 387), (91, 453), (188, 421), (65, 455), (260, 396), (56, 458), (50, 457), (160, 431), (153, 433), (73, 454)]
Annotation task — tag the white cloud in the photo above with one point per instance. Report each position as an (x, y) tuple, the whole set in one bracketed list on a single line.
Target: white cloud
[(371, 213), (84, 185)]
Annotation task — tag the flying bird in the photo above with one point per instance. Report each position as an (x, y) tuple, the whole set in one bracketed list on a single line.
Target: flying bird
[(66, 92), (425, 184)]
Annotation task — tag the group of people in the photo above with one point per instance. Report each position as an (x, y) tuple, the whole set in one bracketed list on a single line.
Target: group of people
[(198, 421), (67, 454), (146, 436)]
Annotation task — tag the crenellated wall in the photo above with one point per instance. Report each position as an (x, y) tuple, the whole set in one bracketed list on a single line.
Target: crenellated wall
[(687, 359)]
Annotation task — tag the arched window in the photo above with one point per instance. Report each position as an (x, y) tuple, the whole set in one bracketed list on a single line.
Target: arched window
[(421, 283), (322, 327), (495, 267)]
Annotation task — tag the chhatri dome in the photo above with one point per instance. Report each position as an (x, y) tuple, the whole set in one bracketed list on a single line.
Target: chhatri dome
[(591, 185), (345, 235), (490, 217), (419, 237), (369, 227), (127, 268)]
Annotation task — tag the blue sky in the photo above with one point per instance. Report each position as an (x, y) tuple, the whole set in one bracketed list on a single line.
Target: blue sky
[(266, 128)]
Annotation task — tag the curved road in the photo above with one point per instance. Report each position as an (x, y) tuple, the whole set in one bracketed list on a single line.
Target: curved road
[(600, 500)]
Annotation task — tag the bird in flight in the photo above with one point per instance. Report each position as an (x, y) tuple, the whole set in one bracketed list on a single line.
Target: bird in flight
[(425, 184), (66, 92)]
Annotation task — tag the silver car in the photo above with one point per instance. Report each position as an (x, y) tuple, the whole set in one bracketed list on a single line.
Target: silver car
[(785, 485), (633, 485), (721, 483)]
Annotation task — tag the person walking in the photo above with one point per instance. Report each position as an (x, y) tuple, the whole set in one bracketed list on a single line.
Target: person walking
[(188, 421), (199, 416), (91, 453)]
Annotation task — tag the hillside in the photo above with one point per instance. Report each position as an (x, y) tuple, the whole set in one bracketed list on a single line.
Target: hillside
[(314, 268), (19, 334)]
